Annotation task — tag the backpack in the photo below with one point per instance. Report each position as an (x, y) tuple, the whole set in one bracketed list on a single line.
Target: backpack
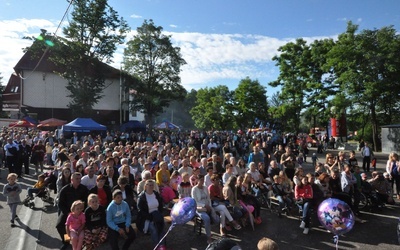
[(395, 170)]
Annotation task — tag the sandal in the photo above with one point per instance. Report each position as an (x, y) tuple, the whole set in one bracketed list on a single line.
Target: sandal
[(236, 225)]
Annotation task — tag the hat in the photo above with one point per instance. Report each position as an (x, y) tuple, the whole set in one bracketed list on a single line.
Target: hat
[(116, 192)]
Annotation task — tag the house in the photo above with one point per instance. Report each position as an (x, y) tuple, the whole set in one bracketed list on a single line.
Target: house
[(35, 90)]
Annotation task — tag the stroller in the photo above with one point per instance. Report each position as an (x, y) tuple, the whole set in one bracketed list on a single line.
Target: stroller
[(44, 193)]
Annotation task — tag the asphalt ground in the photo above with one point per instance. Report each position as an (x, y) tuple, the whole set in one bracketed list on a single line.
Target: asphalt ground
[(36, 227)]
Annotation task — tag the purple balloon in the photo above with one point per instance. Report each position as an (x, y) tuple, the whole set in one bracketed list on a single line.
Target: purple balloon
[(336, 216), (183, 211)]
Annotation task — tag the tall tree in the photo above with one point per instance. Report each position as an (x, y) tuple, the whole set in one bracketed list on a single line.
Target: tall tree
[(293, 65), (91, 39), (250, 102), (151, 57), (367, 67), (213, 109)]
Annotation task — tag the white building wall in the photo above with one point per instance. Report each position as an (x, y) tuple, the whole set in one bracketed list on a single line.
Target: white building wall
[(48, 90)]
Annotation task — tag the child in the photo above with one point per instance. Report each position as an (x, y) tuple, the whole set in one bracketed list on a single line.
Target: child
[(40, 184), (75, 224), (12, 191), (314, 159), (96, 227), (373, 163)]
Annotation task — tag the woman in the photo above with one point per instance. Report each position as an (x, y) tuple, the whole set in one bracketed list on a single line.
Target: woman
[(230, 194), (256, 180), (146, 176), (241, 167), (287, 184), (216, 197), (303, 195), (298, 175), (204, 208), (103, 192), (63, 179), (393, 168), (244, 194), (331, 163), (125, 171), (150, 217), (96, 226), (163, 175), (37, 158)]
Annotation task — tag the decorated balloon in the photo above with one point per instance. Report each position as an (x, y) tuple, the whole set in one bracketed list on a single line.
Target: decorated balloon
[(336, 216), (183, 211)]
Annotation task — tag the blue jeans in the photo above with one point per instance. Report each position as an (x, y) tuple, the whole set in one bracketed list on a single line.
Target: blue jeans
[(206, 221), (284, 201), (306, 212), (156, 233)]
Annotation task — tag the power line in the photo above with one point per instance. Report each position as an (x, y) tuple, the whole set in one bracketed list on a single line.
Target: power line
[(52, 40)]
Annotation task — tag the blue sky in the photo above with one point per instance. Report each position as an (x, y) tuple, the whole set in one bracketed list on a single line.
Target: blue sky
[(222, 41)]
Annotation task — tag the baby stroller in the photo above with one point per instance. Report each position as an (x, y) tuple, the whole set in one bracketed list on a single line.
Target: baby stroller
[(44, 193)]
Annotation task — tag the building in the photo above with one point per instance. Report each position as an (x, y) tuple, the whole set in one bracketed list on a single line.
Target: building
[(35, 90)]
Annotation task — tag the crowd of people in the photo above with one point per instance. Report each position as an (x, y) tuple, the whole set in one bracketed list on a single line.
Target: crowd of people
[(103, 184)]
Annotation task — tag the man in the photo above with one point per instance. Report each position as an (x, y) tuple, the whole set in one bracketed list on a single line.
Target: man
[(89, 180), (68, 194), (367, 153), (24, 153), (11, 152), (185, 168), (256, 156)]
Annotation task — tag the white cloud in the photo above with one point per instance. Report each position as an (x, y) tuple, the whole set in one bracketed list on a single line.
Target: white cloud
[(342, 19), (136, 16), (173, 26), (359, 20), (211, 58)]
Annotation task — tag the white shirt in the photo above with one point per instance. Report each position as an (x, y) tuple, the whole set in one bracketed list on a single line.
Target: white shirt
[(89, 182), (152, 202)]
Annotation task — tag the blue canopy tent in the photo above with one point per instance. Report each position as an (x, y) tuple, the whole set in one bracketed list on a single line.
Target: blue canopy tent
[(83, 125), (133, 126), (166, 125)]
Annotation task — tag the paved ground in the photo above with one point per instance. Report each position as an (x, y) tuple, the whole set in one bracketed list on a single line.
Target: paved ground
[(37, 229)]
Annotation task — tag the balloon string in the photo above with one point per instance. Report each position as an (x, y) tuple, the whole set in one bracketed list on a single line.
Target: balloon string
[(169, 230), (336, 240)]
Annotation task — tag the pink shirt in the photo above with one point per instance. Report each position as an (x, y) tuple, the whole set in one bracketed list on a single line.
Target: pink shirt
[(74, 223)]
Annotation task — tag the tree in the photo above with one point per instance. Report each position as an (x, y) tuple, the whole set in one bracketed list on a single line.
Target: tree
[(91, 39), (151, 57), (367, 67), (293, 64), (250, 102), (213, 109)]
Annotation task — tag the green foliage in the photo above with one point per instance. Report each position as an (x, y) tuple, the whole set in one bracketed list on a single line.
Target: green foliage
[(367, 69), (151, 57), (213, 108), (250, 102)]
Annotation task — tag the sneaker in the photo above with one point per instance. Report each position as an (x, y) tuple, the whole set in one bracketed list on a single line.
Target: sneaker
[(12, 223), (306, 230), (302, 225)]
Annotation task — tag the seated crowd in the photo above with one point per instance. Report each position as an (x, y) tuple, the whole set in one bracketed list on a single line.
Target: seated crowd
[(104, 187)]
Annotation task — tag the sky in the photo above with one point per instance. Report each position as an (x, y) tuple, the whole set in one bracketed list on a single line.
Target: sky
[(222, 41)]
